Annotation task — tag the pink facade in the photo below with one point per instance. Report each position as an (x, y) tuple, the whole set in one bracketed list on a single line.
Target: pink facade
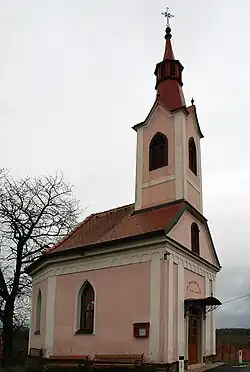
[(117, 308), (153, 192), (38, 341), (182, 234), (194, 285), (162, 123), (160, 186)]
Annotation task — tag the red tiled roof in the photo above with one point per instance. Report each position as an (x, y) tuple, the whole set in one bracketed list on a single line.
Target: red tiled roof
[(117, 224)]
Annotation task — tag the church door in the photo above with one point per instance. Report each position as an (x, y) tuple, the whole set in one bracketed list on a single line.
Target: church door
[(194, 321)]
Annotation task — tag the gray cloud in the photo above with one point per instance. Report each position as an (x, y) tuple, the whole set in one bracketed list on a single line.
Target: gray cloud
[(233, 282)]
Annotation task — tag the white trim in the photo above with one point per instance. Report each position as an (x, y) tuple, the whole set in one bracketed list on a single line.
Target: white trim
[(165, 309), (213, 324), (122, 258), (207, 350), (180, 306), (170, 310), (50, 315), (103, 254), (191, 183), (31, 330), (180, 156), (185, 158), (139, 169), (155, 298), (158, 181), (78, 305), (200, 174)]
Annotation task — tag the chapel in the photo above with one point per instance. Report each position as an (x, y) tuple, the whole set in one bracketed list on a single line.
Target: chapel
[(139, 279)]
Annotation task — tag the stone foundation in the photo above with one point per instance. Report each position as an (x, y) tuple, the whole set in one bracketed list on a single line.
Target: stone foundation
[(174, 367), (210, 359)]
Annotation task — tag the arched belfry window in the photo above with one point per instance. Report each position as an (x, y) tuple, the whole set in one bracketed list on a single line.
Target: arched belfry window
[(192, 156), (158, 151), (86, 308), (195, 238), (38, 312)]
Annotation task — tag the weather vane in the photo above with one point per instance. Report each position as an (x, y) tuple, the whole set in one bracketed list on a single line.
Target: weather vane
[(167, 15)]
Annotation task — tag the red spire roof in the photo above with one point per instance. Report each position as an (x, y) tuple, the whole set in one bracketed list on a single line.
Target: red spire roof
[(169, 54), (169, 78)]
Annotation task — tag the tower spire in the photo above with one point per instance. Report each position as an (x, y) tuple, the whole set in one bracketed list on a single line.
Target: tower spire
[(169, 73), (168, 48), (168, 16)]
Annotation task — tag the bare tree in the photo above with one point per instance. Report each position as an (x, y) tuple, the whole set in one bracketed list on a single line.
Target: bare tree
[(35, 212)]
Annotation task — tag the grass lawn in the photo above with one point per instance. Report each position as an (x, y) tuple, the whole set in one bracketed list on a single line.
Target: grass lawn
[(13, 369), (236, 363)]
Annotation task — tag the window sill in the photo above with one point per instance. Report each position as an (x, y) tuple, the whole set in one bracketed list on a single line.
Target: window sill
[(37, 333), (84, 332)]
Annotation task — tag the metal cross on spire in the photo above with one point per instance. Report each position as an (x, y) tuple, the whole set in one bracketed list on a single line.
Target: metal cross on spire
[(167, 15)]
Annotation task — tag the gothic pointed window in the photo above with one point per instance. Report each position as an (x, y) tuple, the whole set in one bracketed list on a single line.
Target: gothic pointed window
[(86, 308), (38, 312), (195, 238), (192, 156), (158, 151)]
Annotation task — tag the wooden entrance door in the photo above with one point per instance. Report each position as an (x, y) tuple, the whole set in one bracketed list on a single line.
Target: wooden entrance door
[(193, 332)]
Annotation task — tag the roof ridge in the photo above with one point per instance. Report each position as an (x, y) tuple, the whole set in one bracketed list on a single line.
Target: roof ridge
[(114, 209)]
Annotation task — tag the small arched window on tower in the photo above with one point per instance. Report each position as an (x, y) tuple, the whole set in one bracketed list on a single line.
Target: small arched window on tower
[(86, 308), (158, 151), (195, 238), (192, 156), (38, 313)]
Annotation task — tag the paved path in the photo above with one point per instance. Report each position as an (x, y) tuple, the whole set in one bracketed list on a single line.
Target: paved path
[(230, 368)]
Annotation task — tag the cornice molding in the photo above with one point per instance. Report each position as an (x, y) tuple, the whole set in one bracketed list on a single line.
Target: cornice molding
[(122, 258)]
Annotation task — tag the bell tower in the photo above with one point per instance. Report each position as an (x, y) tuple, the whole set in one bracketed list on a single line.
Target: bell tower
[(168, 161)]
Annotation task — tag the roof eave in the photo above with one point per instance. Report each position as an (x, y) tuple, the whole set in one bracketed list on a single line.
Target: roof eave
[(197, 121), (136, 126), (80, 250)]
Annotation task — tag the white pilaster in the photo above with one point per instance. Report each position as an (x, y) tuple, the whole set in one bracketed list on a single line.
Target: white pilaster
[(180, 304), (31, 330), (208, 333), (50, 315), (155, 297), (165, 311), (213, 325), (170, 310), (180, 155), (139, 169), (200, 174)]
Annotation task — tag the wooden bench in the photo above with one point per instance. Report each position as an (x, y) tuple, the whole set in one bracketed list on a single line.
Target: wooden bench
[(35, 352), (66, 360), (117, 360)]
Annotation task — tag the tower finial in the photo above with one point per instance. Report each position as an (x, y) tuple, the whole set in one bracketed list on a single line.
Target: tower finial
[(168, 15)]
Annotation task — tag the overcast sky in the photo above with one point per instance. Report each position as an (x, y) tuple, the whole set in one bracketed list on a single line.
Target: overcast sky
[(76, 75)]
